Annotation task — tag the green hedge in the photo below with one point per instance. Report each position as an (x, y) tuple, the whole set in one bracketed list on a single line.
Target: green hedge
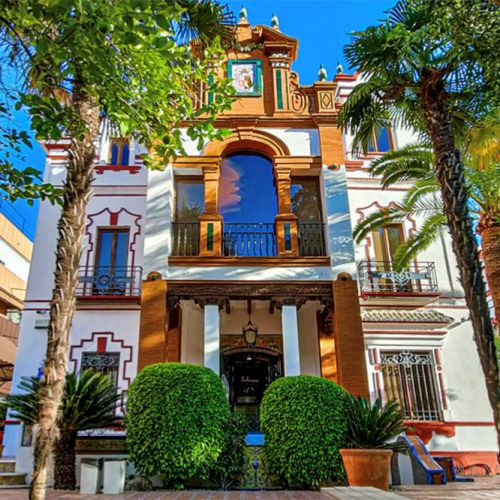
[(303, 420), (176, 419)]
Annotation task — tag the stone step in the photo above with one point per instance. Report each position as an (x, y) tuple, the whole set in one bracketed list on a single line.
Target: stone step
[(12, 479), (7, 466)]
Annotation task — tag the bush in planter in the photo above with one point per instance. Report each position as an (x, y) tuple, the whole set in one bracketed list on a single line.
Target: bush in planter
[(231, 464), (175, 420), (303, 420)]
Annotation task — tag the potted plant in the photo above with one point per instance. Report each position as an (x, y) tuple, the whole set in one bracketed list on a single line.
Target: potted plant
[(367, 460)]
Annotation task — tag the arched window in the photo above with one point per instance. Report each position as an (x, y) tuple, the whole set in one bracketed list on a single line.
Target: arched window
[(247, 192), (248, 203)]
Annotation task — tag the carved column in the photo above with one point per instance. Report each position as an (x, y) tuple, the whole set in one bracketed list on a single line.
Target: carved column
[(211, 220), (286, 223)]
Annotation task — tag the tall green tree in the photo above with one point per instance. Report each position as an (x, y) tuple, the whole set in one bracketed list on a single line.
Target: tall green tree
[(414, 77), (124, 61), (89, 402)]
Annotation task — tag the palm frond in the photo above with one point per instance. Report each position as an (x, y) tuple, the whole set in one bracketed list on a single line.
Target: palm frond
[(379, 219), (417, 199), (429, 231)]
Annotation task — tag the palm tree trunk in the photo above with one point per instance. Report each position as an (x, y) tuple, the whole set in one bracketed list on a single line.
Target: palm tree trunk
[(450, 175), (490, 238), (64, 462), (71, 229)]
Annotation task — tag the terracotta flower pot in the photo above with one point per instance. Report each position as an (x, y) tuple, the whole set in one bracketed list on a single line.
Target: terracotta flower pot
[(369, 467)]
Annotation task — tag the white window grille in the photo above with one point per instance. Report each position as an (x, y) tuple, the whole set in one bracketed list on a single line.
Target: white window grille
[(410, 379), (102, 362)]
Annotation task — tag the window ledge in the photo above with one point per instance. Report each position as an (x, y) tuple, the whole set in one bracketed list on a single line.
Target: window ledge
[(250, 261), (131, 169)]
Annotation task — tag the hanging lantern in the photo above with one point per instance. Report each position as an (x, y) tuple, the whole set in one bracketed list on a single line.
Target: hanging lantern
[(250, 331)]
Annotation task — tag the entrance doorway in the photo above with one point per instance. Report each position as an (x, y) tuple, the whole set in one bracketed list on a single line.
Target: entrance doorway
[(247, 372)]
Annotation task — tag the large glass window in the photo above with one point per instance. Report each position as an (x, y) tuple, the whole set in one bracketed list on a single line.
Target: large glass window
[(112, 247), (119, 153), (381, 141), (189, 199), (247, 192), (304, 193), (386, 240)]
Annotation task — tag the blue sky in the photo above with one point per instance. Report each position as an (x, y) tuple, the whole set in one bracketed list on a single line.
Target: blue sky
[(322, 27)]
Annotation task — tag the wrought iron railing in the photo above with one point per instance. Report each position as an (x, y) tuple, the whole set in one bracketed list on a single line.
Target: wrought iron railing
[(249, 239), (380, 276), (312, 239), (410, 379), (100, 281), (185, 239)]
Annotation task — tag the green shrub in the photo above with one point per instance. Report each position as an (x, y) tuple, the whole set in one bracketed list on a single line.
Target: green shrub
[(231, 464), (175, 420), (304, 424)]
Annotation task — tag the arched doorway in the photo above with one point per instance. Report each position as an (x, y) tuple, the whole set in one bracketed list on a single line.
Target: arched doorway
[(247, 372)]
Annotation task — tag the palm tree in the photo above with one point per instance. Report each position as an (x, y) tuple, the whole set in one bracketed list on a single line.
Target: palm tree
[(413, 77), (89, 402), (80, 97), (415, 163)]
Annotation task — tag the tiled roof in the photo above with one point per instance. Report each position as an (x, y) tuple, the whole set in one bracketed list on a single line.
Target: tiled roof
[(404, 316)]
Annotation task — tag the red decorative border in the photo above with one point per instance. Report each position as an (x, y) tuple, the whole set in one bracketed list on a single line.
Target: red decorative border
[(113, 221), (131, 169), (112, 337)]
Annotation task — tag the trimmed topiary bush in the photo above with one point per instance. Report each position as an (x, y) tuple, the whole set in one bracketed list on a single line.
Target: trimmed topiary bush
[(303, 420), (176, 419), (231, 464)]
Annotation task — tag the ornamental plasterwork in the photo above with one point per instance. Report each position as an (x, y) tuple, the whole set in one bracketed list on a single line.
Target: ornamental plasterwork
[(407, 359)]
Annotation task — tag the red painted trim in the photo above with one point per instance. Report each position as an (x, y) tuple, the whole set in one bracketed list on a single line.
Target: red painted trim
[(409, 332), (406, 322), (113, 218), (399, 294), (344, 77), (115, 195), (374, 188), (12, 422), (101, 344), (109, 298), (131, 169), (73, 360)]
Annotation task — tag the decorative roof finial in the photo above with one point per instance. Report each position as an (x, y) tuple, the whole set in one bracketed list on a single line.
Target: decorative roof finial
[(275, 23), (340, 69), (322, 76), (243, 14)]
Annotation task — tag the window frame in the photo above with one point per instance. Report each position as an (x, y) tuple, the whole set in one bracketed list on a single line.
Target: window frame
[(316, 179), (258, 80), (374, 141), (115, 230), (120, 142), (385, 241), (186, 178)]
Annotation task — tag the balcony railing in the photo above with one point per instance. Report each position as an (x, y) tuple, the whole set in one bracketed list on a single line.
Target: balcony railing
[(185, 239), (249, 239), (109, 281), (312, 239), (381, 277)]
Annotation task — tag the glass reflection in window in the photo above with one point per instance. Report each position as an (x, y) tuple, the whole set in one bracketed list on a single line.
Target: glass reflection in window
[(247, 192), (305, 199), (189, 199)]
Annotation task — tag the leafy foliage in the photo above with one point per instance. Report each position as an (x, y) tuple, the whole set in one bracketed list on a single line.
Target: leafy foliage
[(372, 426), (89, 402), (304, 424), (176, 421), (132, 55), (230, 466)]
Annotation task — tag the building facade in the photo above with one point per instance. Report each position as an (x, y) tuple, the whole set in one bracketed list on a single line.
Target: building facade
[(240, 257)]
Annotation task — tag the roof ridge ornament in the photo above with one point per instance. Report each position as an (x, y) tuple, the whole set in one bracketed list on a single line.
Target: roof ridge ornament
[(243, 14), (340, 69), (275, 23), (322, 76)]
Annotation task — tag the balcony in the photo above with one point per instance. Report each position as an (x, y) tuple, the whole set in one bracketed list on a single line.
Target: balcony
[(112, 283), (379, 279), (249, 240)]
